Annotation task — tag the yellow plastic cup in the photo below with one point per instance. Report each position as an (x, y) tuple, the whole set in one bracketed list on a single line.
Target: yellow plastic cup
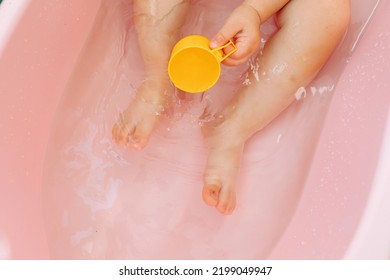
[(195, 67)]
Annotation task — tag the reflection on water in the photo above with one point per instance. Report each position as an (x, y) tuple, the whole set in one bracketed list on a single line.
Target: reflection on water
[(104, 201)]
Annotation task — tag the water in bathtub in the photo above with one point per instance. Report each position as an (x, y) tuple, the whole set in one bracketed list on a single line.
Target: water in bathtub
[(107, 201)]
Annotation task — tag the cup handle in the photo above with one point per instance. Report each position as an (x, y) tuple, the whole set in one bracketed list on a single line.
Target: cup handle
[(224, 56)]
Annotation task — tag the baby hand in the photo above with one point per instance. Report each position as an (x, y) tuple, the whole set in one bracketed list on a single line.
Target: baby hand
[(243, 28)]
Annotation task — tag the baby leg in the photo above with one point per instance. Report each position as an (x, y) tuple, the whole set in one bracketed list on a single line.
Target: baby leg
[(309, 32), (157, 24)]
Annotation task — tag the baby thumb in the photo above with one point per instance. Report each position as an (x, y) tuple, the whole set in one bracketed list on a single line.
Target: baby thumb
[(227, 32)]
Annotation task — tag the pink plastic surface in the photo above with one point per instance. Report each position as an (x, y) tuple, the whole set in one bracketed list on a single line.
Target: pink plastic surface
[(308, 182)]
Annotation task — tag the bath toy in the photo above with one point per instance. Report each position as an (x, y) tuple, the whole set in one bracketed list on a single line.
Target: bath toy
[(194, 67)]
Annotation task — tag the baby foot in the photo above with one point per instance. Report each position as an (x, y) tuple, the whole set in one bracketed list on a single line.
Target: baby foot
[(221, 169), (135, 125)]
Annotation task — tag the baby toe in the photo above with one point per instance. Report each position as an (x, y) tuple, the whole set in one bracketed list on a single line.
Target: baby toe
[(227, 201), (210, 194), (141, 135)]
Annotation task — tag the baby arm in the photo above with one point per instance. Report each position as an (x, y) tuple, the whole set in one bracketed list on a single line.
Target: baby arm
[(243, 27)]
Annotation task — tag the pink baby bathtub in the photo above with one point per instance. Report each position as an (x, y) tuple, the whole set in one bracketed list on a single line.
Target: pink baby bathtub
[(338, 166)]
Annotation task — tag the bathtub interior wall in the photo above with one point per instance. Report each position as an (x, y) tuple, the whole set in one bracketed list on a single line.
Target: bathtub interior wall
[(36, 59), (10, 14), (372, 238), (83, 219)]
